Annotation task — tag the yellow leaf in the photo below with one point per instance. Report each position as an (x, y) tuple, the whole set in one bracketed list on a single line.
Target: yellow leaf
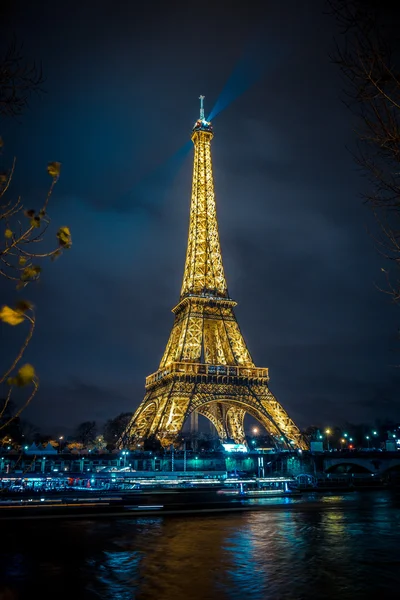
[(22, 261), (11, 316), (35, 222), (8, 233), (64, 237), (31, 272), (53, 169), (24, 376)]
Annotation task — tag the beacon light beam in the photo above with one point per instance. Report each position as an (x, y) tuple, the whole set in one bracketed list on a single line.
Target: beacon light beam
[(250, 68), (148, 193)]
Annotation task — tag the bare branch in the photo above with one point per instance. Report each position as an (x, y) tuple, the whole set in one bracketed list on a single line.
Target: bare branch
[(18, 80), (373, 92), (22, 229)]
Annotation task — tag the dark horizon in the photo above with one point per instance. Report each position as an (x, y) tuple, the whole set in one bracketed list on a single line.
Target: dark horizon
[(121, 98)]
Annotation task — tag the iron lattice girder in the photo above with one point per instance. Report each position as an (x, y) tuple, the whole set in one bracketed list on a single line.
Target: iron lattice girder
[(203, 267), (206, 326), (206, 366), (168, 404)]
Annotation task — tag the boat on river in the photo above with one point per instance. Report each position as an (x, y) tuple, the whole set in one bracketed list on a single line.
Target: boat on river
[(267, 487)]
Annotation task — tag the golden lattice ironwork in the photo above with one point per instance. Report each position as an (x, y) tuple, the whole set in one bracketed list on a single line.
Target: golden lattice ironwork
[(206, 366)]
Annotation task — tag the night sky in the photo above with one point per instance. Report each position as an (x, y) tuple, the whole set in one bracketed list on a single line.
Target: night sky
[(121, 96)]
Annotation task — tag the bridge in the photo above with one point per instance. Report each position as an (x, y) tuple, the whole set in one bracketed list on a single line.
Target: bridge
[(336, 463), (376, 463)]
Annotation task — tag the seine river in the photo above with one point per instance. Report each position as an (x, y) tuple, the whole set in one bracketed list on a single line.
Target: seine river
[(319, 548)]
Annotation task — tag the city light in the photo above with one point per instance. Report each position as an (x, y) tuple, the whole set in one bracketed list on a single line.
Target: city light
[(255, 430), (235, 447)]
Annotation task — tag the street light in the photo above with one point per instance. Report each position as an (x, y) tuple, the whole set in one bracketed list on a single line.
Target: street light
[(124, 454), (375, 433), (328, 431), (345, 435), (255, 430), (342, 441), (367, 438)]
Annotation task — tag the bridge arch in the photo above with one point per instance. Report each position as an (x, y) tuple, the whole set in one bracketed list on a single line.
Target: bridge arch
[(348, 468), (392, 469)]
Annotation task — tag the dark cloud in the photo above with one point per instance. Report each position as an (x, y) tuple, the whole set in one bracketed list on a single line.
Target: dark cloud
[(121, 97)]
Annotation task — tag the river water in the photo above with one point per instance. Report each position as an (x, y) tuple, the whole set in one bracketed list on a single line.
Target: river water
[(315, 548)]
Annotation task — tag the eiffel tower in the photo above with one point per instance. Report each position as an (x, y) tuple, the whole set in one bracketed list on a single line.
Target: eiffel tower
[(206, 366)]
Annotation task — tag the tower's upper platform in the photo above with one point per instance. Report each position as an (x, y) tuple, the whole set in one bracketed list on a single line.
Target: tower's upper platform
[(203, 125)]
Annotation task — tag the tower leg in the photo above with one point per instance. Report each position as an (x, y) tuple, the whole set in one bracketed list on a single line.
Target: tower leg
[(279, 423), (235, 424), (194, 422), (213, 411)]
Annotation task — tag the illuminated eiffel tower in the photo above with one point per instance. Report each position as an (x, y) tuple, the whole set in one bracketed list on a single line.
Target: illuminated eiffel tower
[(206, 367)]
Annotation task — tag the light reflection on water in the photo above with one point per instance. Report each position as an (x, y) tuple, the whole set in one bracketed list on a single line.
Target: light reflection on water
[(332, 547)]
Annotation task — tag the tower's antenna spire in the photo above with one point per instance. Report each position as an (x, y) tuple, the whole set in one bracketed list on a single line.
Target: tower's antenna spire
[(201, 98)]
